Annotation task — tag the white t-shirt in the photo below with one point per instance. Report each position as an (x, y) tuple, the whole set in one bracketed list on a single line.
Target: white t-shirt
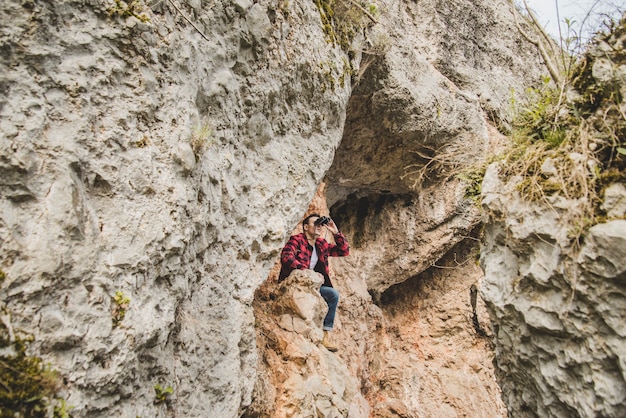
[(314, 258)]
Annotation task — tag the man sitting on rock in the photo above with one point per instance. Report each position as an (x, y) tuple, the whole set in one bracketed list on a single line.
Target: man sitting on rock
[(309, 250)]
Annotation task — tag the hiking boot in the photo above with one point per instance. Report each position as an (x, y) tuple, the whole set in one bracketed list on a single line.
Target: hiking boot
[(326, 343)]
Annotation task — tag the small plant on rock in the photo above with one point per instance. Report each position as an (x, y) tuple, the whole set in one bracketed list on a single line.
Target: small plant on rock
[(200, 137), (28, 387), (342, 20), (135, 8), (162, 394), (569, 144), (473, 178), (121, 304), (142, 142)]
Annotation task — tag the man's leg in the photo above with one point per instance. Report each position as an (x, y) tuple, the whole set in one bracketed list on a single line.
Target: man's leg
[(331, 296)]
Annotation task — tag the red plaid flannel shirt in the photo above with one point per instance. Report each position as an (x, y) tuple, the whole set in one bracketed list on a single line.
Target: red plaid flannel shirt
[(297, 255)]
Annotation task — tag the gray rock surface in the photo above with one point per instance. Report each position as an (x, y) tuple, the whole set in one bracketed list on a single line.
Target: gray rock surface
[(554, 284), (418, 114), (144, 158), (557, 313)]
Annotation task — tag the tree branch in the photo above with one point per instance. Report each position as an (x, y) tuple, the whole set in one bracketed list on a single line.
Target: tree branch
[(188, 20), (368, 14), (554, 73)]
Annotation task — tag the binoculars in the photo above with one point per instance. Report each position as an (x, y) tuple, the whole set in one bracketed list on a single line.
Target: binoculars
[(322, 220)]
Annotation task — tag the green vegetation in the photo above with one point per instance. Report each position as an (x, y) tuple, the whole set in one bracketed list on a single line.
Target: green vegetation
[(135, 8), (568, 140), (327, 73), (119, 310), (61, 409), (473, 178), (347, 71), (343, 19), (200, 137), (162, 394), (28, 387)]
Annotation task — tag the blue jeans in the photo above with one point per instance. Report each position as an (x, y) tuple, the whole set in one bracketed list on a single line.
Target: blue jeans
[(331, 296)]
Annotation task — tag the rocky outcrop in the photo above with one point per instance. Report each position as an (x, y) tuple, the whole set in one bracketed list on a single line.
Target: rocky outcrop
[(555, 286), (557, 311), (418, 114), (422, 351), (165, 161), (306, 380)]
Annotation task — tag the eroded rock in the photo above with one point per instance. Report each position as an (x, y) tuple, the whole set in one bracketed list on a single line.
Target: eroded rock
[(560, 346), (312, 380)]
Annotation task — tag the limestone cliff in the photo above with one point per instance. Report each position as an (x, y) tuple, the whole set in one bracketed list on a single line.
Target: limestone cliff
[(167, 162), (555, 266), (155, 156), (557, 315)]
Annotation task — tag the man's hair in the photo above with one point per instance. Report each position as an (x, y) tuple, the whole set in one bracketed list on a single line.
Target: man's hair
[(306, 220)]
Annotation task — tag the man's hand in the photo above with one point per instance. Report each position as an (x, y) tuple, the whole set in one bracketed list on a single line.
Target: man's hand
[(332, 227)]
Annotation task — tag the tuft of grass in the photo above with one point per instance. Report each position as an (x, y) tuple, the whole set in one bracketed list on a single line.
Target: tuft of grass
[(201, 137), (136, 8), (550, 153), (568, 139), (569, 142), (473, 178), (453, 160), (342, 20)]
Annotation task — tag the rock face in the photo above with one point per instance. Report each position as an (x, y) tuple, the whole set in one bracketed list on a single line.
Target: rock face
[(409, 132), (305, 380), (556, 297), (560, 345), (165, 163), (422, 351), (155, 157)]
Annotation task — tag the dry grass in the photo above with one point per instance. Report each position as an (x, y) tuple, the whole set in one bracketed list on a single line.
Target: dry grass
[(569, 169), (569, 141), (201, 137), (454, 159)]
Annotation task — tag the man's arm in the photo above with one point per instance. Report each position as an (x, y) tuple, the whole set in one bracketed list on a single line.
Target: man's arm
[(341, 247), (288, 255)]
